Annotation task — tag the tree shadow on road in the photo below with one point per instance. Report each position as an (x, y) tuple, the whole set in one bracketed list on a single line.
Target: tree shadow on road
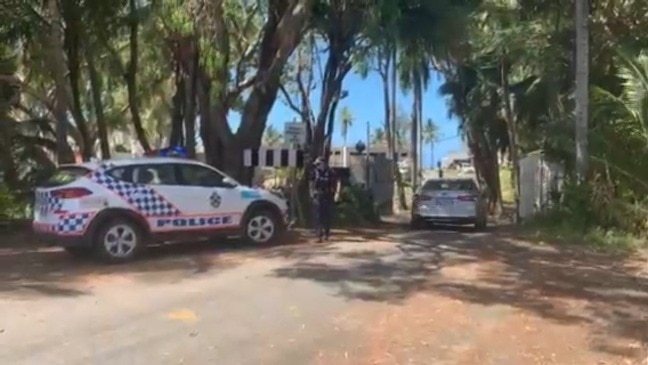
[(388, 264), (562, 284), (28, 269)]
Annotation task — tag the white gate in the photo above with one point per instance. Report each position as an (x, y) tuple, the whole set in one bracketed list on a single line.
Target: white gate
[(539, 179)]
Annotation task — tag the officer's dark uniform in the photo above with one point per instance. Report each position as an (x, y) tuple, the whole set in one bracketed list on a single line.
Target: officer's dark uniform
[(324, 184)]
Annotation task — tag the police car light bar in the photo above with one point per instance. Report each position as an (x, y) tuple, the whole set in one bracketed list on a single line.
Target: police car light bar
[(177, 151)]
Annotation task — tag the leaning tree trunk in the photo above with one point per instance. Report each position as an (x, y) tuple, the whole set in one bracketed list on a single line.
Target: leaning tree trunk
[(249, 134)]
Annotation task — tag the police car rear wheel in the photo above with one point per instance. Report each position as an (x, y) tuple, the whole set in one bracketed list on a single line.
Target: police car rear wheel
[(119, 241), (261, 228)]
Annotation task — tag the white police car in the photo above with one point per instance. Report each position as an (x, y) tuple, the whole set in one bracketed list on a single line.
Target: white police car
[(116, 207)]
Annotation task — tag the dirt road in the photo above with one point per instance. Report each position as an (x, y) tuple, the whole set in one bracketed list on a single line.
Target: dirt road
[(384, 296)]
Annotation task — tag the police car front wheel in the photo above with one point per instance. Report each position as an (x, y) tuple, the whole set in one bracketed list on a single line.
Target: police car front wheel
[(118, 241), (261, 228)]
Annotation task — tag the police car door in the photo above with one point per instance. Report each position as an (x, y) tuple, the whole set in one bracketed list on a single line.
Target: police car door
[(213, 202), (157, 194)]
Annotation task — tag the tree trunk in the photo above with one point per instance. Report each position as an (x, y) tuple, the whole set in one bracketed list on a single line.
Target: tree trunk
[(187, 62), (432, 162), (336, 69), (491, 175), (419, 140), (402, 203), (414, 136), (486, 167), (179, 107), (95, 87), (582, 87), (131, 76), (211, 140), (284, 29), (512, 132), (331, 123), (72, 42), (190, 105), (384, 72), (58, 71)]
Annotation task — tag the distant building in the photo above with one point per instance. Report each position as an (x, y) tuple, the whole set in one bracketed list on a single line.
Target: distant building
[(457, 161)]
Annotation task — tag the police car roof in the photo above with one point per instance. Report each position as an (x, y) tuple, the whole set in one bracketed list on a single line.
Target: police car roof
[(93, 165)]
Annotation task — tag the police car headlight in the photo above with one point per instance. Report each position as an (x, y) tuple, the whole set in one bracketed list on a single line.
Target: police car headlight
[(278, 193)]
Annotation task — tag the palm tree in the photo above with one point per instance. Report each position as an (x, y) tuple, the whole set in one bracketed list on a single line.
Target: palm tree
[(378, 136), (415, 76), (346, 120), (271, 137), (430, 134)]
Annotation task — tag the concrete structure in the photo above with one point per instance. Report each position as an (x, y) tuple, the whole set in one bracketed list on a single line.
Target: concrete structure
[(340, 155), (381, 181), (540, 180)]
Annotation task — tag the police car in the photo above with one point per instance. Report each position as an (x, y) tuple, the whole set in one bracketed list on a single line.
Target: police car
[(114, 208)]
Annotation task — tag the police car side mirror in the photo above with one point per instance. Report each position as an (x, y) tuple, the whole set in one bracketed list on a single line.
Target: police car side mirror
[(229, 183)]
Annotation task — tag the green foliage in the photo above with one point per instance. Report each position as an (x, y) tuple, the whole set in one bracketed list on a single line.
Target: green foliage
[(7, 202), (430, 132), (12, 206), (378, 136), (346, 121), (271, 137), (356, 206), (554, 226)]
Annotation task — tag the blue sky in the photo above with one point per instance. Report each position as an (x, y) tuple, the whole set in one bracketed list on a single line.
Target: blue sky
[(365, 100)]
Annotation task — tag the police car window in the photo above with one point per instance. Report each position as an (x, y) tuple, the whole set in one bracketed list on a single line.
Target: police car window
[(119, 173), (154, 175), (65, 175), (195, 175)]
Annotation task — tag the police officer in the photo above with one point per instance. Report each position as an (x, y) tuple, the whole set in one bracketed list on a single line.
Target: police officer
[(324, 191)]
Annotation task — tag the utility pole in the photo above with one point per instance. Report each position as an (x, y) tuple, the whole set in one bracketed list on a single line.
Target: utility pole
[(368, 162)]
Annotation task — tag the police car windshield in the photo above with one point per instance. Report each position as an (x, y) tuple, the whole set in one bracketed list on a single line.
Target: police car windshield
[(65, 175)]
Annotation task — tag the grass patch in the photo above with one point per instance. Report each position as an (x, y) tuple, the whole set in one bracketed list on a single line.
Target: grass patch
[(557, 227), (508, 191)]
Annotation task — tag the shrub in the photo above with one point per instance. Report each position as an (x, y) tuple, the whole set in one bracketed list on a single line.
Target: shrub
[(356, 206), (7, 203), (593, 214), (13, 205)]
